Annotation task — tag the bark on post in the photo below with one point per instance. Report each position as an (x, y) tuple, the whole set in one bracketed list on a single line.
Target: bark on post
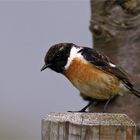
[(115, 25), (87, 126)]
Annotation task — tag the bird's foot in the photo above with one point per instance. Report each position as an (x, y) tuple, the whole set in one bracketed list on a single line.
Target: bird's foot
[(83, 110), (79, 111)]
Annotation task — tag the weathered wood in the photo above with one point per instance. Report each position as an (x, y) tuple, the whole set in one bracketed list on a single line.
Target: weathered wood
[(88, 126)]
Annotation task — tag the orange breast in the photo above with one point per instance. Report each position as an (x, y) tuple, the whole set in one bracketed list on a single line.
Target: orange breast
[(90, 80)]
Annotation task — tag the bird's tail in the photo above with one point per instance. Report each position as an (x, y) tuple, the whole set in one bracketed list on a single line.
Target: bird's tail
[(135, 92)]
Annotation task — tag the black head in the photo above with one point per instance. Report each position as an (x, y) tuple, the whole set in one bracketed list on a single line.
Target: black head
[(57, 56)]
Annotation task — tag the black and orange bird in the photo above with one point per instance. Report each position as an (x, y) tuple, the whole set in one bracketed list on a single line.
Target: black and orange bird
[(93, 74)]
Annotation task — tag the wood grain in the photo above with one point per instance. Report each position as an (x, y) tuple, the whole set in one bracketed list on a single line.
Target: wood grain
[(87, 126)]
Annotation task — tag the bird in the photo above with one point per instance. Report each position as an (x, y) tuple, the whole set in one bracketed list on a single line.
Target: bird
[(95, 75)]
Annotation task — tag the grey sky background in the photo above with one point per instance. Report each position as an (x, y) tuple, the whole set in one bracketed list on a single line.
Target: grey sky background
[(27, 30)]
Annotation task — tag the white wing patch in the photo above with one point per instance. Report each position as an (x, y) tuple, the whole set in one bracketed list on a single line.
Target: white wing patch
[(112, 65), (73, 54)]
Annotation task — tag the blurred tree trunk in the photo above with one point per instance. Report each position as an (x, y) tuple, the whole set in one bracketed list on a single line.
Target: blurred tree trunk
[(115, 25)]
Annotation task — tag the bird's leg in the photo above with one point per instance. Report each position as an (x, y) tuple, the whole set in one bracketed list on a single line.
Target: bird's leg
[(84, 109), (89, 104), (107, 103)]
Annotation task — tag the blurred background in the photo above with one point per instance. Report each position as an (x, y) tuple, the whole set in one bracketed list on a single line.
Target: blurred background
[(27, 30)]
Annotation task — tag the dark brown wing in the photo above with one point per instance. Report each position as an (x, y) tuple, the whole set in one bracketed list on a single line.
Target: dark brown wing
[(103, 63)]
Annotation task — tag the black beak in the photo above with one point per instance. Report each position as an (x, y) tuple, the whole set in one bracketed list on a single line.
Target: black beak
[(44, 67)]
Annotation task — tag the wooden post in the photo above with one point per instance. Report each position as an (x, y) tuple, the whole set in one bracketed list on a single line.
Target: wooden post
[(88, 126)]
